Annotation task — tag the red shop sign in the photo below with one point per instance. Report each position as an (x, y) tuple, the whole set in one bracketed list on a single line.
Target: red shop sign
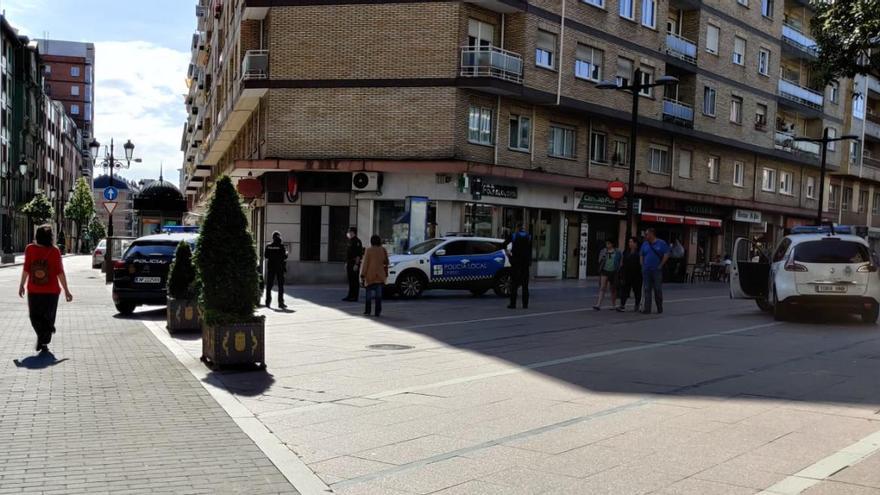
[(660, 218), (250, 187), (703, 222)]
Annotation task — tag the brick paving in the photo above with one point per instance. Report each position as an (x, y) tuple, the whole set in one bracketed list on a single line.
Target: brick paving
[(113, 411)]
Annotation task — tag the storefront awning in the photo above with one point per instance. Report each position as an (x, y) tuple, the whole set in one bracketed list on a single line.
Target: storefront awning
[(681, 219), (703, 222)]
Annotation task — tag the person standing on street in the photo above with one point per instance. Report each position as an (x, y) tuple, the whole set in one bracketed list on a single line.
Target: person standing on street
[(275, 255), (40, 275), (609, 264), (654, 254), (519, 250), (631, 275), (676, 261), (353, 264), (374, 273)]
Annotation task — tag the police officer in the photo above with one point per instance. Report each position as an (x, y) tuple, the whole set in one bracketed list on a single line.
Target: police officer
[(353, 264), (275, 255), (520, 252)]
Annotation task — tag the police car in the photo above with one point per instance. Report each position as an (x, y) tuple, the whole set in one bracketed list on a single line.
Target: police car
[(476, 264)]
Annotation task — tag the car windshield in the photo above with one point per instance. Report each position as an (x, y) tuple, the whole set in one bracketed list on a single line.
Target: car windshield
[(831, 251), (425, 246), (102, 244), (150, 250)]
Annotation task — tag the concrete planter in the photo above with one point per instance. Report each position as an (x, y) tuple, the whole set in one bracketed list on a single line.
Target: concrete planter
[(183, 315), (234, 345)]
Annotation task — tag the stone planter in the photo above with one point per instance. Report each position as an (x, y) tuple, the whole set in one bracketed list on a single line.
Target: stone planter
[(234, 345), (183, 315)]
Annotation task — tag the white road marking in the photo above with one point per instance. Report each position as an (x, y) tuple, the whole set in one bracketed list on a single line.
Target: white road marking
[(827, 467)]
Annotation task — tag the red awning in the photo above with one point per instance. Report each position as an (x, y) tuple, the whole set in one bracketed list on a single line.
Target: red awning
[(662, 218), (703, 222)]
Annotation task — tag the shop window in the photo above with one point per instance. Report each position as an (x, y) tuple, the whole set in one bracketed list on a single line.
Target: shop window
[(310, 233), (547, 236), (478, 219), (339, 224)]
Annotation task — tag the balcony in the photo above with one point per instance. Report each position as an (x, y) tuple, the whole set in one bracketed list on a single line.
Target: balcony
[(874, 84), (251, 13), (870, 168), (785, 141), (491, 61), (255, 65), (794, 38), (502, 6), (678, 113), (872, 125), (799, 94), (681, 48)]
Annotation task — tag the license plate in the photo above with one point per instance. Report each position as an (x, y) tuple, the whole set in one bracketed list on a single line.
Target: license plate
[(831, 288), (148, 280)]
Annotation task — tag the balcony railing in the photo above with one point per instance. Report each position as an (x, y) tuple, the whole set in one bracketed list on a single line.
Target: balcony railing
[(872, 126), (785, 141), (491, 61), (678, 112), (255, 65), (799, 40), (681, 47), (805, 96)]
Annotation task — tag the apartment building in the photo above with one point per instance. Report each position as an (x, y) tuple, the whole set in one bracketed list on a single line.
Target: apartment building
[(474, 116)]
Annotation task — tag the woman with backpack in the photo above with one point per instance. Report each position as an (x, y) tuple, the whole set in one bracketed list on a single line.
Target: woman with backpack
[(609, 264), (43, 277)]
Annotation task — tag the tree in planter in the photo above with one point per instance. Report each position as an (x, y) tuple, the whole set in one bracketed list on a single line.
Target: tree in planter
[(182, 309), (80, 208), (39, 209)]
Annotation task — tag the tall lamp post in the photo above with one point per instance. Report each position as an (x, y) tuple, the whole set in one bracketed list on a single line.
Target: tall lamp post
[(635, 87), (109, 161), (823, 141)]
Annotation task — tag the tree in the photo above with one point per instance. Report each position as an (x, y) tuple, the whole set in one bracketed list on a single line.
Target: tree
[(97, 231), (39, 209), (226, 261), (182, 274), (80, 208), (848, 35)]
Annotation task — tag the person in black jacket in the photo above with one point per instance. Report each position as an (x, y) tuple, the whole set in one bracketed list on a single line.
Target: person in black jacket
[(353, 265), (520, 252), (631, 275), (275, 255)]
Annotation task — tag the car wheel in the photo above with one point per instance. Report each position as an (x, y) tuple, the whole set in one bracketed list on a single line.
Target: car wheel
[(763, 304), (125, 308), (479, 292), (503, 283), (410, 285), (780, 312), (870, 316)]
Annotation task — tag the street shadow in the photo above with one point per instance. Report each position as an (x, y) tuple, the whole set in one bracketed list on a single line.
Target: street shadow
[(40, 361), (246, 381), (155, 314)]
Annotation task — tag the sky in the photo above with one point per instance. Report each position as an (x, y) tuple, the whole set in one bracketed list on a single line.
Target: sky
[(142, 51)]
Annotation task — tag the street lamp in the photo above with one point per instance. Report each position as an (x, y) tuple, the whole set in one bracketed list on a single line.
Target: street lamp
[(111, 163), (23, 167), (635, 88), (823, 141)]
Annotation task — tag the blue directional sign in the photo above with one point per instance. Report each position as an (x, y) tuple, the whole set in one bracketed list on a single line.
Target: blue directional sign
[(111, 193)]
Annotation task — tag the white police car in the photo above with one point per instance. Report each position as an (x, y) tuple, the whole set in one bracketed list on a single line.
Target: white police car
[(476, 264)]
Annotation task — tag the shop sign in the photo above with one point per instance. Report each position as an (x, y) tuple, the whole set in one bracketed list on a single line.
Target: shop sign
[(661, 218), (699, 209), (747, 216), (596, 202), (499, 191), (703, 222)]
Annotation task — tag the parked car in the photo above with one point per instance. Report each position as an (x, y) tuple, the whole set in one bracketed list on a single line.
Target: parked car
[(98, 254), (806, 273), (140, 277), (476, 264)]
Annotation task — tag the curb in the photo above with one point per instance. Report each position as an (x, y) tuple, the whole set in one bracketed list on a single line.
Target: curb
[(10, 265)]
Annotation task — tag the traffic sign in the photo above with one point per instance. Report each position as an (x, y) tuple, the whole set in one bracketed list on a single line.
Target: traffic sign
[(616, 190), (109, 206), (111, 193)]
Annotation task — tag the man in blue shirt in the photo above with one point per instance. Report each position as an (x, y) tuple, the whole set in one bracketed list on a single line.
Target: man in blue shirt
[(654, 254)]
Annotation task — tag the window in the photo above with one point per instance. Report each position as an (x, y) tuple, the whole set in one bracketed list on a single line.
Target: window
[(74, 109), (739, 51), (310, 233), (767, 8), (520, 132), (74, 90), (875, 207), (619, 150), (811, 188), (684, 163), (834, 93), (761, 116), (863, 201), (714, 164), (786, 181), (598, 142), (736, 105), (74, 71), (48, 69), (659, 156), (768, 180), (709, 101), (646, 74), (588, 63), (712, 35), (624, 71), (480, 33), (627, 9), (739, 173), (340, 221), (562, 142), (597, 3), (480, 125), (832, 133), (744, 3), (545, 52), (858, 106), (649, 13), (833, 194), (763, 62), (847, 198)]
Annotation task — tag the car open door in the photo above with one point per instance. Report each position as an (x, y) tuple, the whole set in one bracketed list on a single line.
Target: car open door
[(749, 271)]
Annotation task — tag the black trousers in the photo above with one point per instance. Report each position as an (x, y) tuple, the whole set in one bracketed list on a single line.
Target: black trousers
[(273, 276), (520, 279), (42, 309), (354, 284), (634, 284)]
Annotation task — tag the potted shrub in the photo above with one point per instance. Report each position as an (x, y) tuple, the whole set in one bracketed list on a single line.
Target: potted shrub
[(226, 261), (183, 310)]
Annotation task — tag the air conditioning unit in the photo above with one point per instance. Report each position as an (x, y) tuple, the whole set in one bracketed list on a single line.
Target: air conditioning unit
[(365, 181)]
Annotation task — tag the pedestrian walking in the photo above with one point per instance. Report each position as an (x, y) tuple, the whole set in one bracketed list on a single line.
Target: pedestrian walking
[(676, 261), (519, 250), (654, 255), (353, 264), (631, 275), (42, 277), (374, 273), (609, 264), (275, 255)]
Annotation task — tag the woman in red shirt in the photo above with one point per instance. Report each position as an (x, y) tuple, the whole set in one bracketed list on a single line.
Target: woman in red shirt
[(42, 271)]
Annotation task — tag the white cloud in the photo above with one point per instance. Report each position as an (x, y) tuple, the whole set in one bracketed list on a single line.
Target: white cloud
[(139, 96)]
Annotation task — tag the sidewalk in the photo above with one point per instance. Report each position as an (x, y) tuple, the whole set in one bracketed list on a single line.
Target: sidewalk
[(112, 411), (19, 260)]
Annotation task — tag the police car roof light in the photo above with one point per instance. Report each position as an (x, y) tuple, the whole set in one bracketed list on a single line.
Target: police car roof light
[(180, 229)]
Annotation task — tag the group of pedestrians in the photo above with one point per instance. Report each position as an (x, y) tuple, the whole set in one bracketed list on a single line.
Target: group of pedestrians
[(637, 270)]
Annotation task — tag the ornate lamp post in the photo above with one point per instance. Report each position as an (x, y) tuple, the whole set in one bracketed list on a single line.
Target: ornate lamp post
[(109, 161)]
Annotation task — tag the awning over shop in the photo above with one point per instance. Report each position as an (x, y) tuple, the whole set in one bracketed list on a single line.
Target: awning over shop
[(703, 222), (680, 219)]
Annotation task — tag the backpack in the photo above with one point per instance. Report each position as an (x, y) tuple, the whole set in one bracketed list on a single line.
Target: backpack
[(40, 272)]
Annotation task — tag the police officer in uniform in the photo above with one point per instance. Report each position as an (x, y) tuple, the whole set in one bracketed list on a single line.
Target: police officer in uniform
[(353, 264), (275, 255), (520, 252)]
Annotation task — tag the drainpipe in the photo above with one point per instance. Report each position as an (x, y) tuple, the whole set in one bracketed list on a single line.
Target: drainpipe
[(559, 58), (497, 126), (532, 139), (672, 163)]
